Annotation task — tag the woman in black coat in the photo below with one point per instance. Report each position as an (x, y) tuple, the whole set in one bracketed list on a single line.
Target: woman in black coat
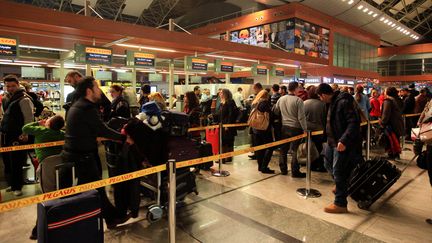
[(119, 105), (262, 104), (227, 114)]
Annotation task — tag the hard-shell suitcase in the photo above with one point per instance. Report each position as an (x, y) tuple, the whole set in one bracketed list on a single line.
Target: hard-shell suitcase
[(72, 219), (371, 179), (77, 218)]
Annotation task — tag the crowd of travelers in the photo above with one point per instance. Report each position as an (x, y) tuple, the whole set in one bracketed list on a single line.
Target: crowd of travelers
[(272, 114)]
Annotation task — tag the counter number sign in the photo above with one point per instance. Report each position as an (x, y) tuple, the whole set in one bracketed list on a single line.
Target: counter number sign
[(199, 64), (8, 47), (95, 55)]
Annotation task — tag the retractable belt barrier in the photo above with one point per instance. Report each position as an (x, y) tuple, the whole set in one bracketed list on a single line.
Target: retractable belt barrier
[(7, 206)]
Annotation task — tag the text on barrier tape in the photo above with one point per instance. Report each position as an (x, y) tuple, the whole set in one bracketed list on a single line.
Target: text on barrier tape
[(31, 146), (78, 189)]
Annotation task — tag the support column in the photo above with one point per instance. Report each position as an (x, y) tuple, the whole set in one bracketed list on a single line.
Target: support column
[(227, 78), (171, 81), (268, 77), (134, 79), (62, 82), (186, 73)]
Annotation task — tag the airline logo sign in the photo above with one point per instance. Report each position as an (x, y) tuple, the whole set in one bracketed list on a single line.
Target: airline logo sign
[(144, 59), (97, 55), (198, 64), (278, 71), (8, 47)]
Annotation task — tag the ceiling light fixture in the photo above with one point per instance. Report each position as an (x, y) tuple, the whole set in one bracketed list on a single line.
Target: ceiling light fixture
[(30, 62), (370, 12), (407, 33), (389, 23), (146, 47), (398, 28), (351, 2), (393, 25), (119, 70), (5, 60), (375, 15), (44, 48), (382, 19), (232, 58), (385, 21), (360, 7), (286, 65), (365, 10), (119, 55), (20, 64)]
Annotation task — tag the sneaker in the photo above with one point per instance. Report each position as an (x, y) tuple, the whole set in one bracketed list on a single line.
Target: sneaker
[(17, 193), (298, 174), (332, 208)]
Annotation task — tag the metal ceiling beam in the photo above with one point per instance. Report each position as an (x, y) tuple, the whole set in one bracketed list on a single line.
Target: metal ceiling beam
[(409, 9), (157, 12), (109, 9)]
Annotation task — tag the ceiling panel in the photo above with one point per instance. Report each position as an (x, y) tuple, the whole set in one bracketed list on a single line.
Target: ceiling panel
[(135, 8), (332, 7)]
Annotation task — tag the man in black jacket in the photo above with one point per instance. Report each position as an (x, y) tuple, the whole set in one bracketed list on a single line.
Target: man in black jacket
[(343, 150), (84, 125), (408, 98), (18, 111)]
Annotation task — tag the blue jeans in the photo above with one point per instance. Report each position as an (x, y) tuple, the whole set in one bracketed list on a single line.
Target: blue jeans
[(340, 165)]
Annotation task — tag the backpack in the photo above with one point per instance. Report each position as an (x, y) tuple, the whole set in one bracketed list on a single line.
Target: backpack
[(259, 120)]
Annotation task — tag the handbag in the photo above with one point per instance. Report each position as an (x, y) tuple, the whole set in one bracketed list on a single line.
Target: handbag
[(259, 120), (302, 153), (424, 132)]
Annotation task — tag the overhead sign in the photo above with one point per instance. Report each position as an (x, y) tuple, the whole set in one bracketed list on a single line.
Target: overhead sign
[(93, 55), (339, 81), (258, 69), (316, 80), (140, 59), (196, 64), (8, 47), (327, 80), (278, 71), (224, 66)]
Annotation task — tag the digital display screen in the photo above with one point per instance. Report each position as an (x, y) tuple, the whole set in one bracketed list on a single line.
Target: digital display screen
[(261, 70), (227, 67), (98, 56), (279, 72), (8, 47), (199, 64), (144, 59)]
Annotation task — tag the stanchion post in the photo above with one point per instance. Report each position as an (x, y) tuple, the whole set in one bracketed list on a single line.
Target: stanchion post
[(368, 138), (308, 191), (404, 131), (220, 172), (171, 166)]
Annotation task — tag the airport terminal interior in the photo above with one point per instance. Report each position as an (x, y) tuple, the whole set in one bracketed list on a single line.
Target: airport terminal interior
[(215, 121)]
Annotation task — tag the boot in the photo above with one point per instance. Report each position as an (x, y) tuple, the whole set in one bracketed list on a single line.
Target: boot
[(332, 208)]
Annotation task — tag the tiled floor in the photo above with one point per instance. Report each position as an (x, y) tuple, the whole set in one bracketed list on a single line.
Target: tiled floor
[(251, 207)]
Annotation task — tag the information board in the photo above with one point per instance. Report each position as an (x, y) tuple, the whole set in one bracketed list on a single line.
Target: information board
[(140, 59), (258, 69), (278, 71), (224, 66), (8, 47), (93, 55), (196, 64)]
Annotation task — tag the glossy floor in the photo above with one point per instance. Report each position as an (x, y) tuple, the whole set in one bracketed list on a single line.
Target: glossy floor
[(248, 206)]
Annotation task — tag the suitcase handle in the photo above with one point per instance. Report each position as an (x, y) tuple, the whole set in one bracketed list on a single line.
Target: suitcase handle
[(61, 166)]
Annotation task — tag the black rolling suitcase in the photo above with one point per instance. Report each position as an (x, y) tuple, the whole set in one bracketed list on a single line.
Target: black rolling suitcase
[(77, 218), (205, 150), (371, 179)]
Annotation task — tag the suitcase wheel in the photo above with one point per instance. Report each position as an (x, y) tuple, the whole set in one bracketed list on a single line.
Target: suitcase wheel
[(363, 205), (154, 213)]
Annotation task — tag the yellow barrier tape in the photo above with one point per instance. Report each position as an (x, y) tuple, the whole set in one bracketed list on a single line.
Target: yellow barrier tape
[(193, 129), (411, 115), (78, 189), (31, 146), (236, 125), (317, 133)]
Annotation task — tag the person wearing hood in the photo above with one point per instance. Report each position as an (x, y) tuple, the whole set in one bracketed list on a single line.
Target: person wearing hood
[(344, 147), (18, 111)]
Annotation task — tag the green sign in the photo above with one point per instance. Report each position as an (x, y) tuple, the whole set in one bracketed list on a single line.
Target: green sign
[(9, 47), (93, 55), (195, 64), (223, 66), (140, 59)]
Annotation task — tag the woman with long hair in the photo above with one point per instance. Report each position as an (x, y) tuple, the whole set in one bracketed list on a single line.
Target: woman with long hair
[(192, 108), (227, 114), (362, 100), (119, 105), (262, 104), (392, 122)]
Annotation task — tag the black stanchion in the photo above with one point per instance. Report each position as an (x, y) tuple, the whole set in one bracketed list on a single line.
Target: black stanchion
[(220, 172)]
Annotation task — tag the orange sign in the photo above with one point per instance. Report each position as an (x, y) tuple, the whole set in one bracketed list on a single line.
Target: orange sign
[(143, 55), (98, 51), (8, 41)]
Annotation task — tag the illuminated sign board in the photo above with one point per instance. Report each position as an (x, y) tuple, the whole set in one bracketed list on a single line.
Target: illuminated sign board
[(93, 55), (327, 80), (278, 71), (196, 64), (312, 80), (8, 47), (140, 59), (224, 66), (339, 81), (258, 69)]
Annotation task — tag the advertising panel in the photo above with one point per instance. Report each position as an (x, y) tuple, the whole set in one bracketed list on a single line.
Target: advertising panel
[(294, 35), (8, 47), (93, 55)]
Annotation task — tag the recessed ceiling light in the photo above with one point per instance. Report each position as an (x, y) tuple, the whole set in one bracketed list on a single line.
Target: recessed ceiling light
[(402, 30), (351, 2), (385, 21), (375, 15), (407, 33), (370, 12), (382, 19), (389, 23), (393, 25), (360, 7), (398, 28), (365, 10)]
